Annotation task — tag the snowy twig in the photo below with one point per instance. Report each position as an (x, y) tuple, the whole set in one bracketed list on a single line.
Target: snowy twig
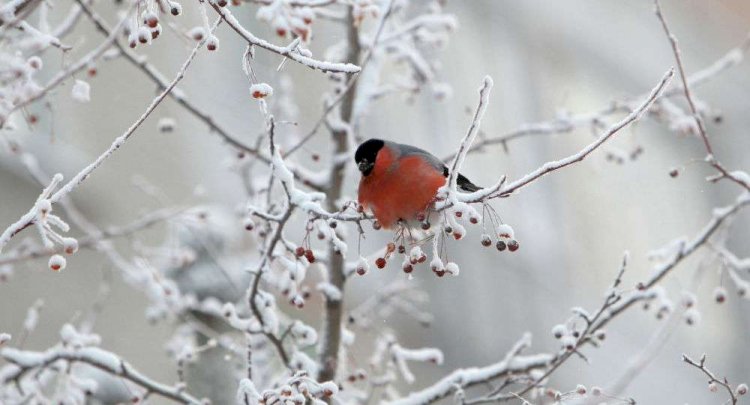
[(79, 178), (71, 70), (712, 380), (549, 167), (93, 240), (720, 215), (281, 50), (740, 179), (512, 364), (463, 149), (26, 361), (568, 123)]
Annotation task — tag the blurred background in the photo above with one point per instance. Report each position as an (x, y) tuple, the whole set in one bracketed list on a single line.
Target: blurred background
[(573, 226)]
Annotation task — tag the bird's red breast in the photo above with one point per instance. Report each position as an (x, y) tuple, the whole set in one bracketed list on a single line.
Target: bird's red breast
[(399, 187)]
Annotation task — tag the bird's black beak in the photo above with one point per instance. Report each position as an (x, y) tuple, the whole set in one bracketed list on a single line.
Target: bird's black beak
[(365, 167)]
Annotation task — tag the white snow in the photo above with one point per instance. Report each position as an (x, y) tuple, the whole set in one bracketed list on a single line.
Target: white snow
[(81, 91)]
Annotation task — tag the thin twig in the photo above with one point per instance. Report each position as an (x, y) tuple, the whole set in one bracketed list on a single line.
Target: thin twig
[(711, 157), (701, 365)]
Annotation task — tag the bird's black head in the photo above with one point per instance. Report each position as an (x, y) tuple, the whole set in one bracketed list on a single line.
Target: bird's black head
[(366, 154)]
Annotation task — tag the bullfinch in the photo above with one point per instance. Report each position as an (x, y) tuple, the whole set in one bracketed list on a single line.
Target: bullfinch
[(399, 181)]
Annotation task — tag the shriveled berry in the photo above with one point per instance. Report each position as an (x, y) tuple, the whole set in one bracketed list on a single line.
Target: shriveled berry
[(401, 249), (500, 245), (448, 230), (391, 247)]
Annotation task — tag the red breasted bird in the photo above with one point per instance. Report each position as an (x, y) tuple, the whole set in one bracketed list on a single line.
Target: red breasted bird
[(399, 181)]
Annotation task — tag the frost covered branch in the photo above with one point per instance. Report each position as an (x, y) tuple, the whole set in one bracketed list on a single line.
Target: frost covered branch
[(713, 381), (292, 53), (24, 362), (54, 197), (548, 167), (740, 178), (568, 122), (513, 363)]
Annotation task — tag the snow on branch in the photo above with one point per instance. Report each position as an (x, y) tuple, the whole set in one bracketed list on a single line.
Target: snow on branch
[(738, 177), (291, 52), (24, 361), (476, 122), (81, 176), (510, 188), (720, 215), (513, 363), (714, 382)]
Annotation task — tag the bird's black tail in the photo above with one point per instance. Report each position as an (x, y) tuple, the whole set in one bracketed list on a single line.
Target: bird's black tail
[(466, 185)]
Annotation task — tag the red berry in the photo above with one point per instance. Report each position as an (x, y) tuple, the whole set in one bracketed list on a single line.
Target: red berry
[(401, 249), (457, 235), (376, 225), (486, 241), (512, 245), (361, 271), (221, 3), (422, 258), (500, 245), (440, 273), (421, 217), (474, 220), (309, 256), (408, 268), (674, 173), (300, 251), (425, 225), (151, 20), (380, 262), (459, 214), (281, 32)]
